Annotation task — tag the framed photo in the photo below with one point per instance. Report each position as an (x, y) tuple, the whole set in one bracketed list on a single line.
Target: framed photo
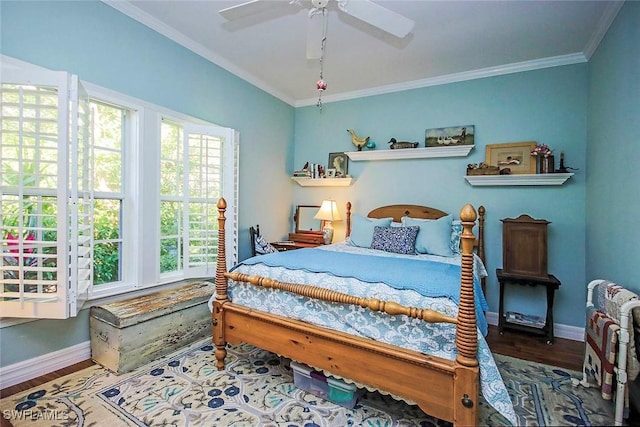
[(339, 162), (515, 156), (454, 135), (331, 173)]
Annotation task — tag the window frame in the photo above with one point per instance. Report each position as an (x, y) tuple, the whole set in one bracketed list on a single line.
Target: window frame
[(143, 193), (140, 195)]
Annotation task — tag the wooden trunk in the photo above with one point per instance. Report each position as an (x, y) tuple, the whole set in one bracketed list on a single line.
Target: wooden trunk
[(130, 333)]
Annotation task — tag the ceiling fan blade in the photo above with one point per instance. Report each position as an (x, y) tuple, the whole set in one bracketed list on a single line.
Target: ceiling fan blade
[(253, 7), (378, 16), (315, 33)]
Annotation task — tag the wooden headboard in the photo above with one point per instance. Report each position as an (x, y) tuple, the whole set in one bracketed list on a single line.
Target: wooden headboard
[(414, 211), (422, 212)]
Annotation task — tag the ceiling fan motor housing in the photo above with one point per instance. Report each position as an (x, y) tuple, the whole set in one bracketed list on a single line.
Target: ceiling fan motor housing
[(320, 3)]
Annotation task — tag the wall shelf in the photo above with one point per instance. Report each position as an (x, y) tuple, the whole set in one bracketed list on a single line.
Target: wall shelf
[(519, 179), (323, 182), (411, 153)]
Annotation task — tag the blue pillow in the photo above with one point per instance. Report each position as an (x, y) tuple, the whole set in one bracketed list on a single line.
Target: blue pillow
[(456, 232), (362, 229), (400, 240), (435, 235)]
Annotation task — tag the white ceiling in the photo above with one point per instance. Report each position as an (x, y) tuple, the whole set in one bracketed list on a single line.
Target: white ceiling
[(451, 41)]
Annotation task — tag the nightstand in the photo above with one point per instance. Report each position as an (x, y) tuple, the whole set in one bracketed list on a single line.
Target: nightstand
[(291, 245), (550, 282)]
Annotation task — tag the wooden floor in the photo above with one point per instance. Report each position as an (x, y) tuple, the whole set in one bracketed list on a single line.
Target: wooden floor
[(563, 353)]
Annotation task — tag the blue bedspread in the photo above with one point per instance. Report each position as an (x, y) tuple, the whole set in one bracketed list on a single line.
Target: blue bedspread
[(428, 278), (437, 339)]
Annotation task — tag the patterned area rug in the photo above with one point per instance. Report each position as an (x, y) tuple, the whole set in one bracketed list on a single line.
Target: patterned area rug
[(257, 389)]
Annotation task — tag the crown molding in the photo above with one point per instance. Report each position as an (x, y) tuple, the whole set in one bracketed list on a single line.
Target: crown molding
[(555, 61), (605, 22), (144, 18)]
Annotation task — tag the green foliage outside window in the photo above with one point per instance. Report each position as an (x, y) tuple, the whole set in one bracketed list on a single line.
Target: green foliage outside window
[(106, 234)]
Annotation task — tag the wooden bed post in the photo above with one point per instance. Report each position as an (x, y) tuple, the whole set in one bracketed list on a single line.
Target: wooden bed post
[(348, 233), (466, 384), (481, 213), (221, 289)]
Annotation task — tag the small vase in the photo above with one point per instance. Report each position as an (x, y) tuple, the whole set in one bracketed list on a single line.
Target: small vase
[(546, 164)]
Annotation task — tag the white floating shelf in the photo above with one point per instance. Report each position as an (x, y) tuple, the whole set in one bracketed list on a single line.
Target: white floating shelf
[(323, 182), (411, 153), (519, 179)]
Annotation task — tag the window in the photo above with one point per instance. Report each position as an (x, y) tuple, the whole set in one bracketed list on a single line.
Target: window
[(108, 134), (191, 182), (89, 208), (171, 197)]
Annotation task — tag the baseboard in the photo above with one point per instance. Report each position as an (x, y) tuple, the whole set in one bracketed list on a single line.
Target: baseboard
[(29, 369), (573, 333)]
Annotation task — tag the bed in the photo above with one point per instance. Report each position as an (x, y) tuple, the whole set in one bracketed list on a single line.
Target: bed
[(309, 316)]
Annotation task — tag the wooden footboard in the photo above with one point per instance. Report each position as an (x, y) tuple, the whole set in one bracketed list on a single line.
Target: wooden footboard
[(442, 388)]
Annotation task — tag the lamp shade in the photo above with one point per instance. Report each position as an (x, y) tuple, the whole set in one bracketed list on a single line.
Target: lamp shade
[(328, 211)]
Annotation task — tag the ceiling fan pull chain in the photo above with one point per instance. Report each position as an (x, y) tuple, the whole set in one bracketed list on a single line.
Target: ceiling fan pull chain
[(321, 85)]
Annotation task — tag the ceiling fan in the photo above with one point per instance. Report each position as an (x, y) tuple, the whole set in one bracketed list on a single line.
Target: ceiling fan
[(364, 10)]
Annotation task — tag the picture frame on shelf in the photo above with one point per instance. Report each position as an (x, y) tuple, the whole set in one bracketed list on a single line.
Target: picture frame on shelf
[(340, 162), (513, 155), (453, 135), (331, 173)]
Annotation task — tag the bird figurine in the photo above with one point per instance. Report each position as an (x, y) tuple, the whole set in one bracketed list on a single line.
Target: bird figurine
[(356, 140)]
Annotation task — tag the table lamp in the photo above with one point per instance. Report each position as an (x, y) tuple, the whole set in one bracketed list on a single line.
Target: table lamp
[(328, 212)]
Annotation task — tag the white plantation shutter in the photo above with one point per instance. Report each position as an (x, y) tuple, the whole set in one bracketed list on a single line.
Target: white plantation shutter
[(80, 202), (207, 177), (231, 187), (43, 136)]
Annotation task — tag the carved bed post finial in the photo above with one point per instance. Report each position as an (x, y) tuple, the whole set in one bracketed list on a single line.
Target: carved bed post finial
[(466, 332), (348, 220), (221, 289)]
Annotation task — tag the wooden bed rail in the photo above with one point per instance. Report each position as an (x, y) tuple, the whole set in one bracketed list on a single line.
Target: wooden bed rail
[(315, 292), (466, 330), (447, 389)]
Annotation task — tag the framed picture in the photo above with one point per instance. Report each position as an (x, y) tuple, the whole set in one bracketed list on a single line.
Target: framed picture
[(454, 135), (515, 156), (339, 162), (331, 173)]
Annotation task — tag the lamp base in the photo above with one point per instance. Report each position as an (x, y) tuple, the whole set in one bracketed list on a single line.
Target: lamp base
[(327, 233)]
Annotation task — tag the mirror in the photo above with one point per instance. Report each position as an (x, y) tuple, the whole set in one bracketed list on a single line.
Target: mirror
[(305, 221)]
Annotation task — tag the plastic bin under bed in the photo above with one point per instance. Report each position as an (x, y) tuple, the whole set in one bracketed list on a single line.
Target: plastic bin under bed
[(332, 389)]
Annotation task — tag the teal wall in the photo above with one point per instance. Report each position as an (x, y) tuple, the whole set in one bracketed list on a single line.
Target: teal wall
[(589, 111), (107, 48), (613, 193), (548, 106)]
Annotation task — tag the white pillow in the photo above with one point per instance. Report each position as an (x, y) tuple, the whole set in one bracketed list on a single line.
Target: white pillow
[(263, 247)]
